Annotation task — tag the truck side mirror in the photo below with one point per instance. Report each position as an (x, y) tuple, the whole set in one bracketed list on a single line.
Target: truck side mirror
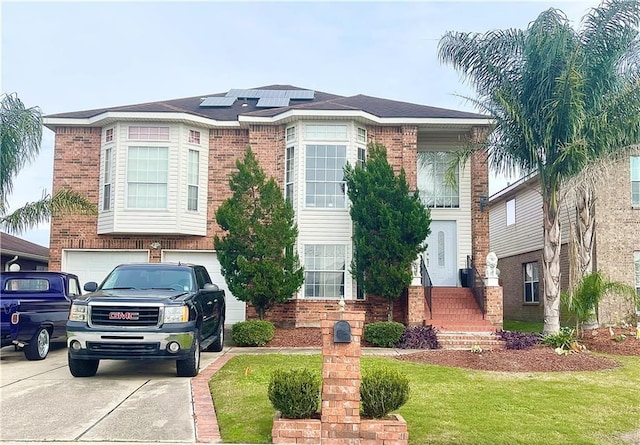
[(91, 286)]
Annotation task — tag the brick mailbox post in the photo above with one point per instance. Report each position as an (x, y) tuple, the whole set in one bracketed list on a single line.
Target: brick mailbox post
[(340, 422)]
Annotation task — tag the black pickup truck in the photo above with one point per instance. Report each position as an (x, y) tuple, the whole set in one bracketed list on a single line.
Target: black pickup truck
[(34, 307), (162, 311)]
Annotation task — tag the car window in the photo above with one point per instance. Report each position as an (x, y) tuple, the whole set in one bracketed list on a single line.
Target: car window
[(74, 288)]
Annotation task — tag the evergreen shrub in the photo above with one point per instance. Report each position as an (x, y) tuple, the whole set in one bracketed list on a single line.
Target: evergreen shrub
[(382, 391), (252, 332), (295, 393), (384, 334)]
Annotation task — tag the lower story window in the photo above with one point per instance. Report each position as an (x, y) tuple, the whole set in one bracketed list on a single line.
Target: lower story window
[(324, 266), (531, 294)]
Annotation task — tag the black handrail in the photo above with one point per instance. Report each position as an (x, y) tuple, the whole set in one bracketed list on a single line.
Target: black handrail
[(426, 283), (477, 285)]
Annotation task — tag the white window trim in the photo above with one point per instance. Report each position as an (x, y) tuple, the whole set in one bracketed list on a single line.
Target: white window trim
[(510, 209), (530, 284), (308, 270)]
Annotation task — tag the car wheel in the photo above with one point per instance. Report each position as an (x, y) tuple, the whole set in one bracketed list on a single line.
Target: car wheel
[(83, 368), (38, 347), (218, 344), (190, 366)]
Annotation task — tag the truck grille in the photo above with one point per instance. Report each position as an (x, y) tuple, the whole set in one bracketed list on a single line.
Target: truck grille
[(124, 349), (130, 316)]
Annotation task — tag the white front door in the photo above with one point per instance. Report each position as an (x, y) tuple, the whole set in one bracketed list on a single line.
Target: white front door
[(441, 254)]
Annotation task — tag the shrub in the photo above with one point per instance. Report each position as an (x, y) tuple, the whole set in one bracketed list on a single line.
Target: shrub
[(563, 339), (519, 340), (419, 337), (382, 391), (252, 332), (385, 334), (295, 393)]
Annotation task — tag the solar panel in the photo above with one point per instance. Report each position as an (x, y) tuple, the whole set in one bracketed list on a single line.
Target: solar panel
[(217, 102), (301, 94), (245, 94), (266, 102)]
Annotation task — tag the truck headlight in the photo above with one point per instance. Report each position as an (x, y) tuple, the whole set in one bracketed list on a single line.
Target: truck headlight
[(176, 314), (78, 313)]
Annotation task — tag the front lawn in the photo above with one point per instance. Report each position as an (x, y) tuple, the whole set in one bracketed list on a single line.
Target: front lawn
[(456, 406)]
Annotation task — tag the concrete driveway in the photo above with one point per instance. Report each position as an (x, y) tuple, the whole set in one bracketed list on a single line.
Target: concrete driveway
[(126, 401)]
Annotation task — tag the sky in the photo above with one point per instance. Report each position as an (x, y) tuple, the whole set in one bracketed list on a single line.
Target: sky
[(73, 56)]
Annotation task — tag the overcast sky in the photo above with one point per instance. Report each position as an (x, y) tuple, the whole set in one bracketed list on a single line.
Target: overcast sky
[(72, 56)]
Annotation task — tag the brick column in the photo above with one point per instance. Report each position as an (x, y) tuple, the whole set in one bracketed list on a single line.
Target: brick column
[(493, 305), (416, 306), (340, 416)]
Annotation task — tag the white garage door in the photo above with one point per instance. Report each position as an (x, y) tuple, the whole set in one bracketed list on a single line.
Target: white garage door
[(235, 308), (94, 265)]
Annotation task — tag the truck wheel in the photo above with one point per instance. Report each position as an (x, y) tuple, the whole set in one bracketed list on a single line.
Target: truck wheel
[(217, 345), (190, 367), (83, 368), (38, 347)]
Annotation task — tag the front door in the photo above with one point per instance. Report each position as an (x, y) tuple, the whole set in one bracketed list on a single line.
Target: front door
[(441, 254)]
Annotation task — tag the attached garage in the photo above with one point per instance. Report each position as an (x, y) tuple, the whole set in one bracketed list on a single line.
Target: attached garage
[(235, 308), (94, 265)]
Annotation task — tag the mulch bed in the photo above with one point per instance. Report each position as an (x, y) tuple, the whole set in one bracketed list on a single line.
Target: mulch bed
[(614, 341)]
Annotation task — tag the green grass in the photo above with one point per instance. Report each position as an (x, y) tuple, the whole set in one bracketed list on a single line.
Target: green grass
[(522, 326), (456, 406)]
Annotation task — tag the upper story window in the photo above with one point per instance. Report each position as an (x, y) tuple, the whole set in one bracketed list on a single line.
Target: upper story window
[(147, 177), (511, 211), (635, 181), (324, 270), (289, 179), (362, 135), (530, 271), (435, 191), (145, 133), (108, 135), (106, 188), (194, 137), (326, 132), (291, 134), (324, 174), (193, 180)]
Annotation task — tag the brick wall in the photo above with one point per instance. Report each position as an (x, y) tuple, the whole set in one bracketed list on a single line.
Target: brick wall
[(479, 190), (402, 148), (512, 281), (617, 237), (268, 144), (305, 312)]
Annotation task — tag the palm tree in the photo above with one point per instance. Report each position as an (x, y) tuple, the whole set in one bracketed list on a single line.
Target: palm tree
[(560, 100), (20, 138)]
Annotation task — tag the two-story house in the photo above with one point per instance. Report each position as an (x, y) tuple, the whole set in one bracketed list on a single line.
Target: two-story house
[(515, 220), (158, 171)]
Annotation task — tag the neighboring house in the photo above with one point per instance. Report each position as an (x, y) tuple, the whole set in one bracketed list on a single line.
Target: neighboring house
[(158, 171), (515, 221), (27, 255)]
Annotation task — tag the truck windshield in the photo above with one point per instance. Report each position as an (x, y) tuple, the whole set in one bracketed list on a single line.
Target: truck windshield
[(153, 278)]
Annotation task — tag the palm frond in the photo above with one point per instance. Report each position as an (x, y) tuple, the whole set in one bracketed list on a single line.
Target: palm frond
[(30, 215), (20, 138)]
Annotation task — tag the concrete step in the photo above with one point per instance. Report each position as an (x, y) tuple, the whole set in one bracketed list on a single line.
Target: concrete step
[(462, 340)]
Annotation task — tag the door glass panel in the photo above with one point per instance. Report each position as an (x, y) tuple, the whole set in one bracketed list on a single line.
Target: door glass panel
[(441, 248)]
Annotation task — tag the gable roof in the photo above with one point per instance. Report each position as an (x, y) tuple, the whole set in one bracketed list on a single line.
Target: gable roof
[(11, 245), (382, 108)]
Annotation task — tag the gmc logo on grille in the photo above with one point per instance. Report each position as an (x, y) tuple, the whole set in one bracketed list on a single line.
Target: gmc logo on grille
[(124, 316)]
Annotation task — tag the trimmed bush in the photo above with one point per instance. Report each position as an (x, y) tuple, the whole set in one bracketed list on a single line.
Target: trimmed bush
[(382, 391), (519, 340), (252, 332), (384, 334), (419, 337), (295, 393)]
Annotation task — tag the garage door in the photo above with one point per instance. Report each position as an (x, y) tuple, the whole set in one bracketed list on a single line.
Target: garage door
[(94, 265), (235, 308)]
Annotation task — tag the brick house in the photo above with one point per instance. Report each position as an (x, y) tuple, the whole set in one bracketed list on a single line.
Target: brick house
[(515, 220), (158, 171)]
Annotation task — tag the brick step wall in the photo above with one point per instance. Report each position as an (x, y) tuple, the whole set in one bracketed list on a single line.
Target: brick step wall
[(466, 340)]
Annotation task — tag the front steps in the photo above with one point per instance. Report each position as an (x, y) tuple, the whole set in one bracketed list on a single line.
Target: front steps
[(459, 321)]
